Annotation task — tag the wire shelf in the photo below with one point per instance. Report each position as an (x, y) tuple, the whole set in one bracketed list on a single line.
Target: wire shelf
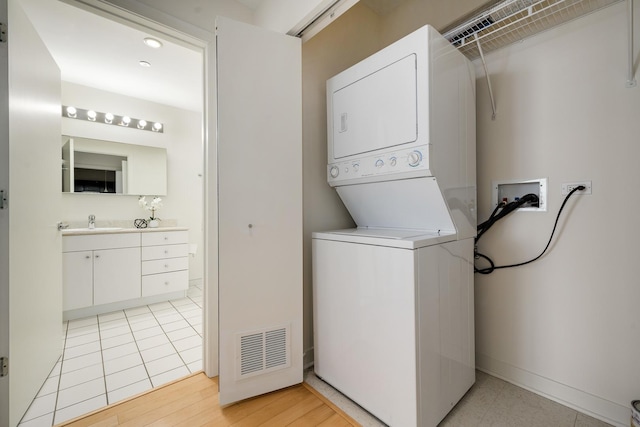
[(514, 20)]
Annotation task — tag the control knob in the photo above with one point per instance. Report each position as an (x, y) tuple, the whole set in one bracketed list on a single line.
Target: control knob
[(393, 161), (379, 163), (414, 158), (334, 171)]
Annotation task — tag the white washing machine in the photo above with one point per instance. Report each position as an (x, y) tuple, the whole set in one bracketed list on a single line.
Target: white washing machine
[(394, 322), (393, 298)]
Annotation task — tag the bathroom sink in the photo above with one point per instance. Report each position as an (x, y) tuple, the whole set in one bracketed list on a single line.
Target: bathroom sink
[(96, 229)]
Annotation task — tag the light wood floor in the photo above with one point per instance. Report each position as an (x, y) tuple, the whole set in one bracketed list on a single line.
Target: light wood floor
[(193, 401)]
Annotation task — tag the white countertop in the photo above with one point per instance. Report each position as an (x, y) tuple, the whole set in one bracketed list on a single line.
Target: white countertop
[(116, 230)]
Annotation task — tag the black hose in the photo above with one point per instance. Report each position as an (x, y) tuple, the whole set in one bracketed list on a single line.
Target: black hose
[(482, 228)]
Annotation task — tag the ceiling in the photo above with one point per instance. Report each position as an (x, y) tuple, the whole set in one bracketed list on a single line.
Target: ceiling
[(97, 52)]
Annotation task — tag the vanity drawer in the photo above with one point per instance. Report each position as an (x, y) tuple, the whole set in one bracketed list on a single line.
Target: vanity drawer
[(165, 251), (155, 284), (100, 241), (164, 265), (156, 238)]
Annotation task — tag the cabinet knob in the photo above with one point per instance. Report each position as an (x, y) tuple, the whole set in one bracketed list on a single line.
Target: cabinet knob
[(87, 256), (166, 238), (97, 256), (166, 283), (166, 266), (166, 252)]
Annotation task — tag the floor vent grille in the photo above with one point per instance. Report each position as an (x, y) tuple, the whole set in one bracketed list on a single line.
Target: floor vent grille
[(263, 351)]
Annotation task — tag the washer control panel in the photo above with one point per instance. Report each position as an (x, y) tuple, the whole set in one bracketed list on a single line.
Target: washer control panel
[(391, 162)]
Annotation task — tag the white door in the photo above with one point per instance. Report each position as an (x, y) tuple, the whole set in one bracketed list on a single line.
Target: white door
[(260, 210), (30, 251)]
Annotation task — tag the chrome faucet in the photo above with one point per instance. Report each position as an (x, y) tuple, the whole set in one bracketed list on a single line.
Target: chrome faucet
[(92, 221)]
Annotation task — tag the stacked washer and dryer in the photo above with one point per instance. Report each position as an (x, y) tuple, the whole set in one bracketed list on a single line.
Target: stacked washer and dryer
[(393, 298)]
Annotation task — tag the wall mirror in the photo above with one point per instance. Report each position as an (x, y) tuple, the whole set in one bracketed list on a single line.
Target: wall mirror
[(106, 167)]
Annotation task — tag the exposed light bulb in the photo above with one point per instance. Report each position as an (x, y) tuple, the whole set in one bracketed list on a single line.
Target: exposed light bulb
[(110, 118), (154, 43)]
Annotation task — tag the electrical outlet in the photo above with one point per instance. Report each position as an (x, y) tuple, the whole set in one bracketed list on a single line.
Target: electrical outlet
[(567, 187)]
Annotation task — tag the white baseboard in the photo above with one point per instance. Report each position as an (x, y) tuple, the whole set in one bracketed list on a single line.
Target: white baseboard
[(307, 358), (195, 282), (120, 305), (594, 406)]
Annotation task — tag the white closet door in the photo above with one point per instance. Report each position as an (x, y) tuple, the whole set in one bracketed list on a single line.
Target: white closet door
[(260, 210), (30, 248)]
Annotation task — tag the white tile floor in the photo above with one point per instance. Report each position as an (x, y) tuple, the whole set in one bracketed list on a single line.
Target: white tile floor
[(113, 356)]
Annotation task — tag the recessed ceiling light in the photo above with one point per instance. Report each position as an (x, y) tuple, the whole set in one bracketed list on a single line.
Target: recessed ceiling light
[(154, 43), (145, 64)]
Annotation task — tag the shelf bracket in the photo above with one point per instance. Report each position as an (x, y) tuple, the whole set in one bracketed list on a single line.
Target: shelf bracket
[(631, 81), (486, 72)]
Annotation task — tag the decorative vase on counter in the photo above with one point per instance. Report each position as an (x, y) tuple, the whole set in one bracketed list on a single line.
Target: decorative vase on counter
[(155, 204)]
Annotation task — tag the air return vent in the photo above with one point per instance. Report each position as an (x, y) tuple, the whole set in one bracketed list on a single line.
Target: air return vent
[(262, 351), (510, 21)]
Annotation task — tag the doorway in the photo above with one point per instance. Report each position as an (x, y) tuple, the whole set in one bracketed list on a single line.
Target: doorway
[(179, 205)]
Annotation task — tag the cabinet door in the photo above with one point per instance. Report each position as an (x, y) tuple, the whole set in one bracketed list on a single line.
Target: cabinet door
[(77, 285), (116, 275)]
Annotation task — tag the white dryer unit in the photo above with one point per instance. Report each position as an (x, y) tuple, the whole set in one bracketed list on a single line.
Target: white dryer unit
[(393, 298)]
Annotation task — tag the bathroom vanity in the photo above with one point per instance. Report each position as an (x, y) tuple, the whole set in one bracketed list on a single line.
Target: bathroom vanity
[(112, 269)]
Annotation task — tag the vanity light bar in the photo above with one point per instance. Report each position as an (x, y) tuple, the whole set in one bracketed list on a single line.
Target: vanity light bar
[(111, 119)]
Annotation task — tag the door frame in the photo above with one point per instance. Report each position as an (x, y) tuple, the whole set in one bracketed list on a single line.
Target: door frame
[(150, 20)]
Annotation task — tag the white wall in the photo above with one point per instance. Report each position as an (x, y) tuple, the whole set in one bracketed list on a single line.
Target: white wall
[(567, 325), (182, 138)]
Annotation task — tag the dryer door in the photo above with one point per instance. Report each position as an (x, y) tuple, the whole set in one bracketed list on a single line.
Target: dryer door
[(377, 111)]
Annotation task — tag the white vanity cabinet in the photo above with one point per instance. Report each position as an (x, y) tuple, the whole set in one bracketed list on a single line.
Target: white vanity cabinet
[(100, 269), (77, 288), (116, 275), (165, 262)]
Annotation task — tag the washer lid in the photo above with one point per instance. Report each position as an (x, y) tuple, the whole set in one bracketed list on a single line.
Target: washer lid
[(388, 237), (385, 233)]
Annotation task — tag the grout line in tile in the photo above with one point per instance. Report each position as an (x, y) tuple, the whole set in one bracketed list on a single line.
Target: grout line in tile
[(171, 341), (173, 307), (135, 341), (104, 374)]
